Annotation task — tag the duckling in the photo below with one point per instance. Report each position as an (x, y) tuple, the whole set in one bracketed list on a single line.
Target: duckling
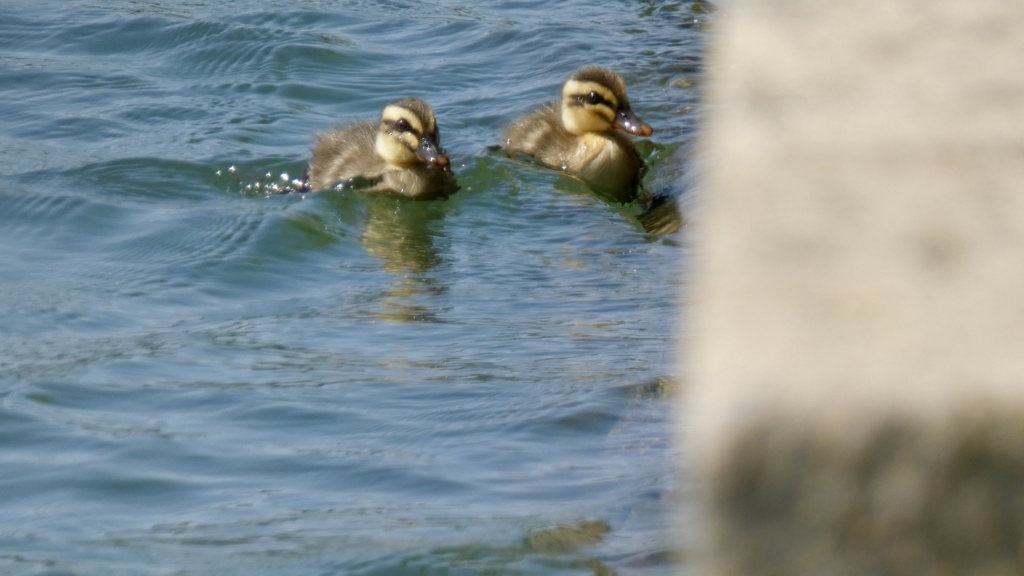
[(401, 156), (585, 133)]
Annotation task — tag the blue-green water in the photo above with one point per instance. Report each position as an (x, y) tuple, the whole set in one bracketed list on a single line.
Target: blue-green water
[(200, 377)]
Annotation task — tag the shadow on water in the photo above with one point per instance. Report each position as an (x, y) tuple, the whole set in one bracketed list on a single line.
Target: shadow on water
[(660, 212), (655, 206), (662, 216)]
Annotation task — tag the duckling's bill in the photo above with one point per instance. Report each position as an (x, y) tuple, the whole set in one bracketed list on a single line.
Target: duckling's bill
[(431, 153), (626, 120)]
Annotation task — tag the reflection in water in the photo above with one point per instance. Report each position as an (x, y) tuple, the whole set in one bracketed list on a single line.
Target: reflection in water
[(659, 215), (567, 538), (400, 234), (564, 547)]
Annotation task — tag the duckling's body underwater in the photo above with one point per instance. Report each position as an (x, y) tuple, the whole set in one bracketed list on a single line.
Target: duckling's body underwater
[(586, 134), (400, 156)]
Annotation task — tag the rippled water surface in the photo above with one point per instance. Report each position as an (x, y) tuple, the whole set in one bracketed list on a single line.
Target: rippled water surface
[(198, 376)]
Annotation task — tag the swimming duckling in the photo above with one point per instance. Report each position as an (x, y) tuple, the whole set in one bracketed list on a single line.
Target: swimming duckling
[(585, 133), (402, 155)]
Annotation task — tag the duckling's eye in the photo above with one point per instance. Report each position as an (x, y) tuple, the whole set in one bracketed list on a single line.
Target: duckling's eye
[(402, 125), (593, 99)]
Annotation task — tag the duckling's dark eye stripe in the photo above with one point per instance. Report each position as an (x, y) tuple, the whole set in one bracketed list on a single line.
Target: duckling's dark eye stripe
[(401, 125), (591, 98)]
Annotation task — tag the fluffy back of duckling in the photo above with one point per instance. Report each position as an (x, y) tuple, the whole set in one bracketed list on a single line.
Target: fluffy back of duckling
[(344, 154), (354, 152), (586, 133), (607, 162)]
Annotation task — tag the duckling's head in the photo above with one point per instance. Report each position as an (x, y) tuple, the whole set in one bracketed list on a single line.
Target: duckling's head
[(408, 135), (594, 100)]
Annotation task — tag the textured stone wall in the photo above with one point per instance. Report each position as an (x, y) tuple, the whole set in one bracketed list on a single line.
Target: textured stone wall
[(854, 341)]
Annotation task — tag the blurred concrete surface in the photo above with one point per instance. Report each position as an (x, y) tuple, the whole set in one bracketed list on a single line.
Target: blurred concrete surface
[(854, 338)]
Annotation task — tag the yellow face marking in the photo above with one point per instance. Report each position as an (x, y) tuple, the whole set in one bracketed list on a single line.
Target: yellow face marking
[(575, 88), (583, 113), (394, 113), (398, 146)]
